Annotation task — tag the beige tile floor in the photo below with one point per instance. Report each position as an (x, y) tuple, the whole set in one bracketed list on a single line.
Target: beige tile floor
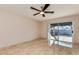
[(39, 47)]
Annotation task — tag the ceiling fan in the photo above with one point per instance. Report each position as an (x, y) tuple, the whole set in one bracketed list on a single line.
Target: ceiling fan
[(42, 11)]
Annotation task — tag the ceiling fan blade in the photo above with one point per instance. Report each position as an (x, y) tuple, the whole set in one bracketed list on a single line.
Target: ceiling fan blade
[(43, 15), (45, 7), (49, 12), (34, 8), (36, 14)]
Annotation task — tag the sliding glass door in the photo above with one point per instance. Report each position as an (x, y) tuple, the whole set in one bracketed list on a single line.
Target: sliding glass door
[(61, 34), (60, 37)]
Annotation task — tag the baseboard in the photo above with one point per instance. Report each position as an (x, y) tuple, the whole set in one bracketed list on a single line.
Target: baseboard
[(43, 38)]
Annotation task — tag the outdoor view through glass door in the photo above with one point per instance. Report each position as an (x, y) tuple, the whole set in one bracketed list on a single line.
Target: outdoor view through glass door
[(61, 34)]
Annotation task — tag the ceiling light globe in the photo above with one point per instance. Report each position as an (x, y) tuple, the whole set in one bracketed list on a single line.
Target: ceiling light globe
[(41, 12)]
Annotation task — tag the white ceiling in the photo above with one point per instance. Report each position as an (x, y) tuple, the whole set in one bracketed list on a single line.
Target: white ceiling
[(59, 9)]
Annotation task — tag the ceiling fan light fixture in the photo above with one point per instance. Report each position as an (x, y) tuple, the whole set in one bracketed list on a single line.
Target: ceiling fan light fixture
[(43, 10), (41, 13)]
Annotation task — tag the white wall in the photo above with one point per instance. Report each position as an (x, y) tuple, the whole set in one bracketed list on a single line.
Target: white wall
[(16, 29), (74, 19)]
